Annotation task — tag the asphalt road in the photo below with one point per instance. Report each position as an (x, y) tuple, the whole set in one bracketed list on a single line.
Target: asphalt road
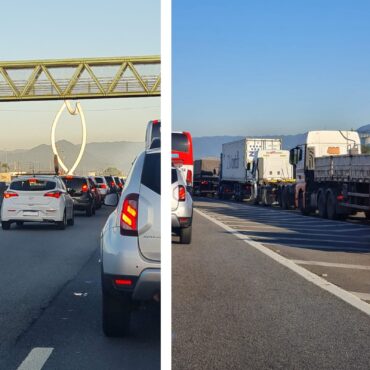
[(50, 298), (236, 308)]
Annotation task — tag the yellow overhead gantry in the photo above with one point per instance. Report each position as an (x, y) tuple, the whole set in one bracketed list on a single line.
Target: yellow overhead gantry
[(64, 79)]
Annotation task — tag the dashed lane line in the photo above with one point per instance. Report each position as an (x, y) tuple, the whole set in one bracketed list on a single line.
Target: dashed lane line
[(340, 293), (330, 264), (36, 358)]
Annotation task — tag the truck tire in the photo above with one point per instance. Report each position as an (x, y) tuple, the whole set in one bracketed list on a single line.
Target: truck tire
[(185, 235), (304, 209), (116, 314), (285, 199), (331, 206), (321, 204)]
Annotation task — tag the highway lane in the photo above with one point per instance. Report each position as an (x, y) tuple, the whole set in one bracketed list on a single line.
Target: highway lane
[(235, 308), (50, 297), (336, 250)]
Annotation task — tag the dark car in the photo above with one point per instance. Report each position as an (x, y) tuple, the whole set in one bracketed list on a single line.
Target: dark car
[(119, 183), (94, 189), (113, 187), (80, 190)]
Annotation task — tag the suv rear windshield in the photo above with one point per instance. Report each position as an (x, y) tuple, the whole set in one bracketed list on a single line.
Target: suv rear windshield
[(151, 176), (32, 185), (173, 175), (99, 180), (74, 183), (180, 142)]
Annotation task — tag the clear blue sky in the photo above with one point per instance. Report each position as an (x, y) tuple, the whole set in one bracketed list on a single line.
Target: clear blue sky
[(63, 29), (269, 66)]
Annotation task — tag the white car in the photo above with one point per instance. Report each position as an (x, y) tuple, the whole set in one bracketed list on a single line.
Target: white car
[(181, 207), (37, 198), (103, 187), (131, 244)]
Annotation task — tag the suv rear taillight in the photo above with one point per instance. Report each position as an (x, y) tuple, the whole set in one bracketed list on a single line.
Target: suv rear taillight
[(129, 215), (10, 194), (189, 176), (53, 194), (182, 193), (102, 186), (84, 188)]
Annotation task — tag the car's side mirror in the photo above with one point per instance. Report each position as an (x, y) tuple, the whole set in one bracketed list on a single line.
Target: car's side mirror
[(111, 200)]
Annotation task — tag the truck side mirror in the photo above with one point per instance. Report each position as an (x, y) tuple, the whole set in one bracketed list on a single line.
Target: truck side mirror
[(292, 156)]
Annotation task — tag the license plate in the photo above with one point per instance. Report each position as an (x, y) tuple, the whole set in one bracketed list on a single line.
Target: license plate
[(30, 213)]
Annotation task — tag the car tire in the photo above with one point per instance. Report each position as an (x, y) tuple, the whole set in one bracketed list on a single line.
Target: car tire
[(89, 211), (19, 223), (62, 224), (5, 225), (116, 314), (94, 210), (185, 235), (71, 221)]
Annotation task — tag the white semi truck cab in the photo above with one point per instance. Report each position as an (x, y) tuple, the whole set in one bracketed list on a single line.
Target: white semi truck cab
[(325, 179)]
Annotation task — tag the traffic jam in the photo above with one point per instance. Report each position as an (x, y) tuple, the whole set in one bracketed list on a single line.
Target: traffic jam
[(129, 240), (326, 177)]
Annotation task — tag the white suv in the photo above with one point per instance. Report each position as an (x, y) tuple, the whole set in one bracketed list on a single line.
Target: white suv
[(131, 244), (37, 198)]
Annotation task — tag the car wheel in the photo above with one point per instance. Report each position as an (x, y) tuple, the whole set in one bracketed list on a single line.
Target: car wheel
[(19, 223), (71, 221), (5, 225), (116, 314), (89, 211), (185, 235), (62, 224), (93, 210)]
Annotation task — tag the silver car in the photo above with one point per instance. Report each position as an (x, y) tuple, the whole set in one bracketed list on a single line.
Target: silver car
[(131, 244), (181, 207)]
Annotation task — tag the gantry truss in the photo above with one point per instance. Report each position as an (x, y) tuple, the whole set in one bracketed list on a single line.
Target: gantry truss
[(80, 78)]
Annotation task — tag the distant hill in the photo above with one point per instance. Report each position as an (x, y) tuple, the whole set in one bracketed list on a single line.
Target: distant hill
[(97, 156), (211, 146)]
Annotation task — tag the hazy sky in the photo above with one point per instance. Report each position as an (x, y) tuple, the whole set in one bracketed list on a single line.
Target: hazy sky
[(270, 67), (73, 29)]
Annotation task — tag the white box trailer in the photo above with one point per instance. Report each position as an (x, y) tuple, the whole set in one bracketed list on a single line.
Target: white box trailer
[(236, 155), (236, 176)]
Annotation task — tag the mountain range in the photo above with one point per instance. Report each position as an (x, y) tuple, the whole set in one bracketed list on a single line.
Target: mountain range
[(211, 146), (97, 156)]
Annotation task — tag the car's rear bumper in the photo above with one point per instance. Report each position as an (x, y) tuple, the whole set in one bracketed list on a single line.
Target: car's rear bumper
[(144, 287), (81, 205), (42, 216), (179, 222), (148, 285)]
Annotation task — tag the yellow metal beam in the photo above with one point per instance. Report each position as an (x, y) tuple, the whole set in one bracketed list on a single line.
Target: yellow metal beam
[(87, 78)]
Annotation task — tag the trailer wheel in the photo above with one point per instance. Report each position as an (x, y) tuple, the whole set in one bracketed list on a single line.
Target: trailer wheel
[(304, 209), (285, 199), (321, 204), (331, 207)]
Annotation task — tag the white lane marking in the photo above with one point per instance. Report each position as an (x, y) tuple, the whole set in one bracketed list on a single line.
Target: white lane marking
[(309, 276), (36, 359), (335, 248), (363, 296), (330, 264)]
